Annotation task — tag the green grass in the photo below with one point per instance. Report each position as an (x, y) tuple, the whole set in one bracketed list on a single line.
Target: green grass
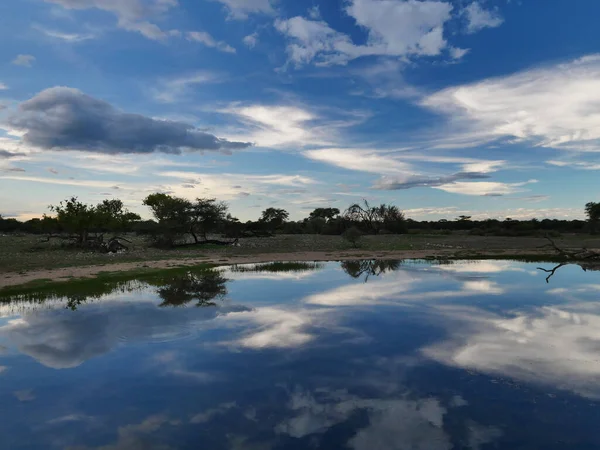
[(102, 283)]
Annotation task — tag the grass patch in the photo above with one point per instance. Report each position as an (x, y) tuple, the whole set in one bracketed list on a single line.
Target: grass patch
[(295, 266), (101, 284)]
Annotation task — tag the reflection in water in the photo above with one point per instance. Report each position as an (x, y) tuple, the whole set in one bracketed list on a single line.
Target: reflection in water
[(176, 288), (201, 287), (281, 356), (373, 267)]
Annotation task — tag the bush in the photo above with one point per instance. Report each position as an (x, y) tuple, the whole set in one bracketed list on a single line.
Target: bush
[(352, 235)]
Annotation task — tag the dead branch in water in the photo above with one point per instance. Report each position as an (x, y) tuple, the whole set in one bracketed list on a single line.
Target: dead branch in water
[(572, 257)]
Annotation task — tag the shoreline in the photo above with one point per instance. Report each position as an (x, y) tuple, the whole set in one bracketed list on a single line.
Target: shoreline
[(12, 279)]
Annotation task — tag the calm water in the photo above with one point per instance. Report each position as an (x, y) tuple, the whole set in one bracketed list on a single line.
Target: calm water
[(363, 355)]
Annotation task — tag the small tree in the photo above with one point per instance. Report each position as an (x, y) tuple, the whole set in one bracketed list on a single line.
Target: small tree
[(352, 235), (76, 218), (592, 210)]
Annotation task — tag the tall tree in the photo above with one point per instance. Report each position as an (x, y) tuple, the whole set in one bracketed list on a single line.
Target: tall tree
[(592, 210)]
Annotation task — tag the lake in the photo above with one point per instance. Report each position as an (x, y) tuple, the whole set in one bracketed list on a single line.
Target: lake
[(361, 355)]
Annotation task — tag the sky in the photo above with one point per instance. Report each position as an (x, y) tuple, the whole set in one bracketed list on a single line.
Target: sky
[(488, 108)]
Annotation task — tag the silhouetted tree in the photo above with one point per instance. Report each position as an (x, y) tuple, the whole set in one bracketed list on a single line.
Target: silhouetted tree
[(324, 213), (592, 210), (275, 217), (206, 215), (373, 219)]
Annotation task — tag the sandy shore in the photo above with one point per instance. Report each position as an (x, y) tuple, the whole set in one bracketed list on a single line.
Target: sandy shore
[(67, 273)]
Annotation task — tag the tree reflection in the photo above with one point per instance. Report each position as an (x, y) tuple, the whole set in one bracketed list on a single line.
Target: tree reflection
[(175, 288), (374, 267), (590, 266), (203, 287)]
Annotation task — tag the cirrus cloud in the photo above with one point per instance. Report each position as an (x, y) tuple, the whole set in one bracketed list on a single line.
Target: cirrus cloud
[(551, 106)]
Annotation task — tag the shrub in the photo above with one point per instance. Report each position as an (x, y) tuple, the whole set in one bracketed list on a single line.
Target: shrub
[(352, 235)]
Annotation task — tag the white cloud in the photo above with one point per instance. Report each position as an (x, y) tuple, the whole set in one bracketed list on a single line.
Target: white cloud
[(251, 40), (131, 15), (395, 28), (479, 18), (24, 60), (489, 188), (361, 160), (3, 86), (206, 39), (228, 186), (171, 90), (241, 9), (458, 53), (272, 126), (548, 107), (582, 165), (67, 37)]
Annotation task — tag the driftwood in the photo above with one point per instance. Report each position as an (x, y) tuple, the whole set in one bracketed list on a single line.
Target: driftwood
[(584, 258)]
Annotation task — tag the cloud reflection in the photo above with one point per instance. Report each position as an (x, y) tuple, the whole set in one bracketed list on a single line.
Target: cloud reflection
[(555, 346)]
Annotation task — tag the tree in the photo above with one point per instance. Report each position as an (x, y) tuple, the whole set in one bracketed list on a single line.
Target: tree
[(324, 213), (178, 217), (81, 220), (206, 214), (372, 219), (274, 217), (173, 217), (112, 216), (76, 218), (592, 210)]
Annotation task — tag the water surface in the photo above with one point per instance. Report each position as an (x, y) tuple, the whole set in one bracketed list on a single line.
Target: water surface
[(359, 355)]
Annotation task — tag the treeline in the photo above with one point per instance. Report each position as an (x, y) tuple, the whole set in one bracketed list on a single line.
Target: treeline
[(179, 221)]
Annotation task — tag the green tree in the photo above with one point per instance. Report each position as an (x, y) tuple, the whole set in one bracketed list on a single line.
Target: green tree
[(592, 210), (173, 217), (76, 218)]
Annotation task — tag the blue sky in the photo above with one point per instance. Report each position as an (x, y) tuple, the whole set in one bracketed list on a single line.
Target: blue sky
[(489, 108)]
